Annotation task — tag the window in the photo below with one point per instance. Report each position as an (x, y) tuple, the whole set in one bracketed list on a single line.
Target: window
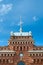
[(21, 42), (11, 54), (3, 60), (5, 54), (0, 60), (36, 54), (34, 49), (34, 60), (39, 54), (24, 47), (8, 54), (20, 48), (41, 60), (40, 48), (28, 36), (1, 54), (14, 54), (33, 54), (10, 42), (42, 54), (13, 42), (26, 42), (7, 60), (18, 42), (31, 42), (37, 60), (17, 47)]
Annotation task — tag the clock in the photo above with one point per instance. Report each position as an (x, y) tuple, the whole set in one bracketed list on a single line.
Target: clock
[(21, 54)]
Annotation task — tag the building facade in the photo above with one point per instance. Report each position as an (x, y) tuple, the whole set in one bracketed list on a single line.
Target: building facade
[(21, 49)]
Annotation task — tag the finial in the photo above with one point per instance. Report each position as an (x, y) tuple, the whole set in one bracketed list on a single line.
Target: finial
[(20, 24)]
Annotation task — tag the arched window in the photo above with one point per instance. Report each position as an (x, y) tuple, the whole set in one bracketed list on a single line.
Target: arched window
[(3, 60), (42, 54), (20, 48), (26, 42), (17, 47), (7, 60), (8, 54), (5, 54), (0, 60), (33, 54), (39, 54), (1, 54), (37, 60), (41, 60), (18, 42), (21, 42), (11, 54), (13, 42), (24, 47), (14, 54), (34, 60), (31, 42), (36, 54)]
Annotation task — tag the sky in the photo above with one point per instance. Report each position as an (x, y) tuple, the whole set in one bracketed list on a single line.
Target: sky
[(31, 12)]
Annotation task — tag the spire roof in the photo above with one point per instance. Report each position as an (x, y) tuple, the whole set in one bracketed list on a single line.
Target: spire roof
[(21, 24), (21, 33)]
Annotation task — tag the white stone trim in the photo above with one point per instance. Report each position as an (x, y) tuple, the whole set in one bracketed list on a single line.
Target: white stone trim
[(35, 51), (6, 51), (21, 33)]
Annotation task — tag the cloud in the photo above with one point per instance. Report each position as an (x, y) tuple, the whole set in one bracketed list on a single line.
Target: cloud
[(35, 18), (1, 0), (5, 8)]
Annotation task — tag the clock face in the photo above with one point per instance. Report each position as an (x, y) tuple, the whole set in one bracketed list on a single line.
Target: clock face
[(21, 55)]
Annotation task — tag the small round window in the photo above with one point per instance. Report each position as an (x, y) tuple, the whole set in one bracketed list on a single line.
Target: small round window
[(21, 54)]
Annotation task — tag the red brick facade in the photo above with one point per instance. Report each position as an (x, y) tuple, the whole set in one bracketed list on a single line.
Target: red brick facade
[(21, 48)]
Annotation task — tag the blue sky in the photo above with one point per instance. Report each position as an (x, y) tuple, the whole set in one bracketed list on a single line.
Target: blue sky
[(31, 12)]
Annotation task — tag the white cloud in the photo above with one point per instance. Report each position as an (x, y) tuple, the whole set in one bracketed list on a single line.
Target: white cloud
[(1, 0), (35, 18), (5, 8)]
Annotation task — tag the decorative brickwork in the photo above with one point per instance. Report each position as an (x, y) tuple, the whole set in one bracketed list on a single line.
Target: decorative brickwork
[(21, 49)]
